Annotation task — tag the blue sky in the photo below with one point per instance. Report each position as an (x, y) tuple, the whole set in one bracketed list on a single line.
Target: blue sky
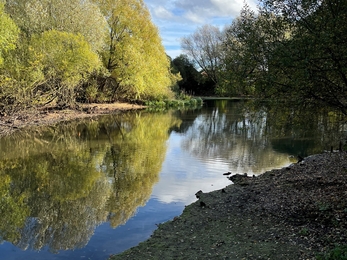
[(178, 18)]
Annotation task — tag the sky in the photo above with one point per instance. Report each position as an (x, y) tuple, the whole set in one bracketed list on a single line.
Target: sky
[(179, 18)]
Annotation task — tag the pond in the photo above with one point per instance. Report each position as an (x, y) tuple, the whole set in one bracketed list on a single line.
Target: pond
[(90, 188)]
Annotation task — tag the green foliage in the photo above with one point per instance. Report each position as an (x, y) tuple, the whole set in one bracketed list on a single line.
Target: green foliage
[(289, 50), (8, 33), (74, 16), (135, 56), (60, 61), (338, 253), (181, 102), (248, 47), (8, 38), (304, 232), (91, 93), (182, 95), (323, 206), (191, 78), (59, 47), (309, 65), (58, 184)]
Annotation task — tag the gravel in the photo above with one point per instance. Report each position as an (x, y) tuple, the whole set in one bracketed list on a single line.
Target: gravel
[(297, 212)]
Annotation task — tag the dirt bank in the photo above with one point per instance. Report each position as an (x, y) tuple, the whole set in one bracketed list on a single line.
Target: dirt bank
[(296, 212), (51, 115)]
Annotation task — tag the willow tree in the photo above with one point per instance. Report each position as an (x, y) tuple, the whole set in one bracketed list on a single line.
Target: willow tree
[(135, 57), (58, 48), (74, 16), (8, 33), (8, 38), (59, 62)]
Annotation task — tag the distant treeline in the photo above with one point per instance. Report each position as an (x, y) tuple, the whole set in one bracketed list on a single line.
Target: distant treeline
[(287, 50), (58, 52)]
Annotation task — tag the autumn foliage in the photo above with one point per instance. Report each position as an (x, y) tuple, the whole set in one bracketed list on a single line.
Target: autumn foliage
[(57, 52)]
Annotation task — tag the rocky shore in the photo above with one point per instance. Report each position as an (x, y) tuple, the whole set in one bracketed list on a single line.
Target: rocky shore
[(298, 212)]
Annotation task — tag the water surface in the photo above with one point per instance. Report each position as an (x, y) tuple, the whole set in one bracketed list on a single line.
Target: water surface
[(90, 188)]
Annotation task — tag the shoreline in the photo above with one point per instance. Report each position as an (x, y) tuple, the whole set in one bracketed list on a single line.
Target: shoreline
[(51, 115), (297, 212)]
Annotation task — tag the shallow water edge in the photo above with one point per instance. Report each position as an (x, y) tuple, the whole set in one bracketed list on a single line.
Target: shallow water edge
[(296, 212)]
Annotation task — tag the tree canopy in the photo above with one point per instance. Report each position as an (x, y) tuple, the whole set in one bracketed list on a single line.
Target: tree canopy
[(287, 50), (311, 63), (8, 33), (203, 47), (58, 184), (135, 56), (100, 50)]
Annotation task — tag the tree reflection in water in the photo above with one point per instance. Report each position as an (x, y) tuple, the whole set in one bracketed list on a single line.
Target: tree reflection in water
[(59, 183), (246, 134)]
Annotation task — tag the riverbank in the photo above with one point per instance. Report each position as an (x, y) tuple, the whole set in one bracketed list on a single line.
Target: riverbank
[(51, 115), (298, 212)]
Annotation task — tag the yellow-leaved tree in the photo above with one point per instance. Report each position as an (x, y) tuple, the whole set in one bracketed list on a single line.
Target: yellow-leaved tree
[(135, 56), (60, 61), (56, 52), (8, 33), (8, 38), (73, 16)]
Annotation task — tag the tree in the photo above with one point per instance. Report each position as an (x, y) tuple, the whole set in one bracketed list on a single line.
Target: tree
[(74, 16), (310, 66), (134, 57), (60, 61), (204, 47), (59, 46), (8, 33), (242, 53), (191, 78), (44, 64), (248, 44), (8, 38)]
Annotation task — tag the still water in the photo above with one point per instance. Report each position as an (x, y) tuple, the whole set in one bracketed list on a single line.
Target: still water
[(91, 188)]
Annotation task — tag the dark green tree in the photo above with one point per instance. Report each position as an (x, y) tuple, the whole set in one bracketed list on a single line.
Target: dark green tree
[(191, 79), (248, 45), (310, 65)]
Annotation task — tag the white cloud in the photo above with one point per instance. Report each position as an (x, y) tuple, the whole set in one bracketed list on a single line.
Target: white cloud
[(162, 13), (193, 172), (194, 17), (178, 18), (230, 8)]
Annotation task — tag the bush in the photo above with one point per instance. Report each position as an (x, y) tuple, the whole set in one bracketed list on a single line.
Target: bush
[(174, 103), (338, 253)]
